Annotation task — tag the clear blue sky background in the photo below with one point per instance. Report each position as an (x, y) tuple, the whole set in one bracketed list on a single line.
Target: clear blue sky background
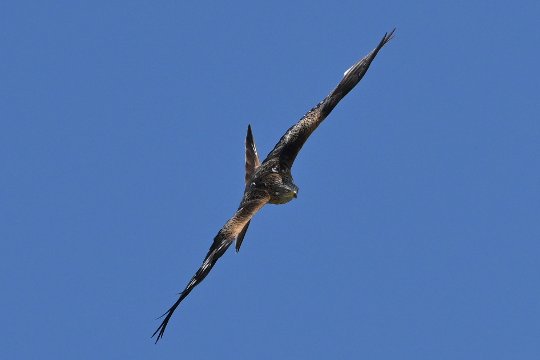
[(416, 231)]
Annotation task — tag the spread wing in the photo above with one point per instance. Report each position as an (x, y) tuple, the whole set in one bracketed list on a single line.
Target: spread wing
[(252, 203), (290, 144), (252, 163)]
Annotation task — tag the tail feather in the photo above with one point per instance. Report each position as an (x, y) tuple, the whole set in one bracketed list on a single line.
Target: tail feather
[(240, 237), (252, 158)]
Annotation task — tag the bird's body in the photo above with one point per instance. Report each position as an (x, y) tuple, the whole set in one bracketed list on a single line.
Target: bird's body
[(271, 181)]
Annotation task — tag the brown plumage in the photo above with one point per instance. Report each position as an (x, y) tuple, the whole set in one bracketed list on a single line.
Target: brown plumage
[(271, 181)]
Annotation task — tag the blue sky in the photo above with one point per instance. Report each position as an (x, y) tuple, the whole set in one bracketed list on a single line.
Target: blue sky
[(416, 231)]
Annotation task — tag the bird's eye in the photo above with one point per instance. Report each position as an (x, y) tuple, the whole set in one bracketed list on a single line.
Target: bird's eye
[(276, 193), (253, 184), (275, 169)]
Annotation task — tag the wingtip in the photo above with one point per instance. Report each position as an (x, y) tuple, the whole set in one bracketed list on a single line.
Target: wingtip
[(160, 330), (389, 36), (160, 335), (386, 38)]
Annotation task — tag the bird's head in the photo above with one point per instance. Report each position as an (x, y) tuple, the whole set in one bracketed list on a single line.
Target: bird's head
[(283, 193)]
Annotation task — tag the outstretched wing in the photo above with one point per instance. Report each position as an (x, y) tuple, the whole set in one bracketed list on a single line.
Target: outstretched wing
[(290, 144), (252, 163), (252, 203)]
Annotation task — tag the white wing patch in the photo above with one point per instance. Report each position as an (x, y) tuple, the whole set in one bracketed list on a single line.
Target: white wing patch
[(348, 71)]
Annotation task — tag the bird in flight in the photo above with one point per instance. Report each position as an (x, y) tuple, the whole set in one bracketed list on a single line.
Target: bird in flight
[(271, 182)]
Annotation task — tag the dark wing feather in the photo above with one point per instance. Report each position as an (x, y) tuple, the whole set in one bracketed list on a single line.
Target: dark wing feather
[(290, 144), (252, 163), (252, 203)]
